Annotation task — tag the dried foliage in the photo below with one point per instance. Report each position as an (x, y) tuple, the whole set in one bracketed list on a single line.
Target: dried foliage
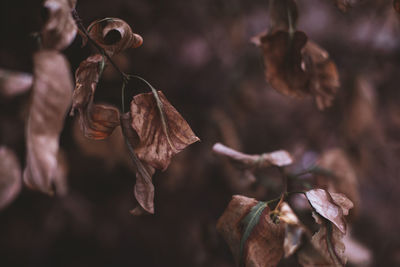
[(51, 98)]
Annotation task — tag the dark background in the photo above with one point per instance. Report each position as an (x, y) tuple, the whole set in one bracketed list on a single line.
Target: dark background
[(198, 53)]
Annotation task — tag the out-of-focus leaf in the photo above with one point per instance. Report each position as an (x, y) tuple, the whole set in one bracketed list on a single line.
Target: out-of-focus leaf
[(396, 5), (294, 230), (14, 83), (357, 254), (325, 205), (97, 121), (264, 245), (60, 28), (324, 81), (10, 177), (159, 142), (60, 177), (344, 5), (51, 97), (144, 188), (114, 35), (282, 13)]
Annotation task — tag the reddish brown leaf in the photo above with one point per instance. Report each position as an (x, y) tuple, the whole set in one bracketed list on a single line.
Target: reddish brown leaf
[(51, 97), (97, 121), (114, 35), (60, 28), (14, 83), (325, 205), (158, 144), (144, 188), (10, 177), (264, 246)]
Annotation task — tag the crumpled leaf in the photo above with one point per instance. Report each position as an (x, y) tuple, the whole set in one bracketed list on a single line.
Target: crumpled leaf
[(60, 28), (14, 83), (97, 121), (10, 177), (51, 97), (114, 35), (327, 248), (144, 188), (156, 148), (264, 244), (332, 206), (294, 229)]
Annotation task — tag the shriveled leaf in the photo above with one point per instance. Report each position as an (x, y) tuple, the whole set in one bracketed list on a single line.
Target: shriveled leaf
[(97, 121), (264, 245), (161, 135), (14, 83), (60, 28), (283, 62), (51, 98), (144, 188), (10, 177), (324, 80), (114, 35), (324, 204)]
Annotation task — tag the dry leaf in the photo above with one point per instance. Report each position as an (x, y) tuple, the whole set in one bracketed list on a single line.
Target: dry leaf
[(144, 188), (60, 28), (159, 142), (114, 35), (51, 97), (97, 121), (10, 177), (264, 245), (14, 83), (324, 80), (325, 205)]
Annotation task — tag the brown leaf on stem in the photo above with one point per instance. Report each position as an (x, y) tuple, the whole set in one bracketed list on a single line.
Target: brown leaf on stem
[(14, 83), (332, 206), (97, 121), (114, 35), (264, 245), (10, 177), (324, 77), (51, 98), (161, 134), (144, 188), (60, 28)]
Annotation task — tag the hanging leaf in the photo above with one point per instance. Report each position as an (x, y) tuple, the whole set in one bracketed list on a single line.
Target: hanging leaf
[(114, 35), (10, 177), (60, 28), (247, 220), (51, 97), (325, 205), (144, 188), (14, 83), (97, 121), (162, 134)]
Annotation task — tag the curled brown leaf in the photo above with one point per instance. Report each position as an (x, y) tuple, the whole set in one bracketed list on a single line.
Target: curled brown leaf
[(264, 246), (114, 35), (60, 28), (97, 121), (14, 83), (161, 135), (51, 97), (10, 177)]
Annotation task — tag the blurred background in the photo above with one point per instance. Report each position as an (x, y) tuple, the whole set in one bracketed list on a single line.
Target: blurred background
[(199, 54)]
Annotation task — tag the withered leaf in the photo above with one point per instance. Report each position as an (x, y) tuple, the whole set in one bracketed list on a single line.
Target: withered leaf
[(51, 97), (144, 188), (60, 28), (264, 245), (159, 142), (97, 121), (324, 77), (325, 205), (14, 83), (10, 177), (114, 35)]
